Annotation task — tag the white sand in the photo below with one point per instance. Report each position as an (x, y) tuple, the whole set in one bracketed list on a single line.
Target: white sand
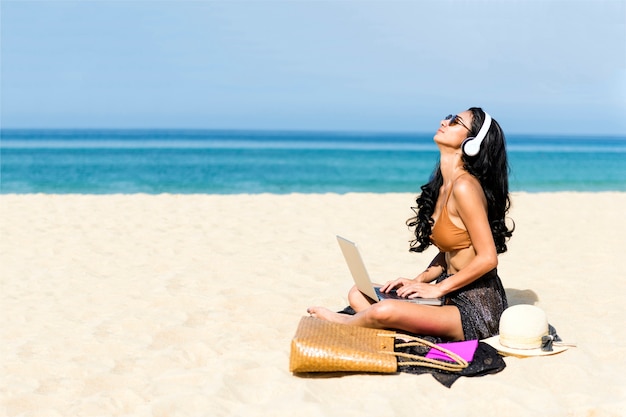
[(185, 305)]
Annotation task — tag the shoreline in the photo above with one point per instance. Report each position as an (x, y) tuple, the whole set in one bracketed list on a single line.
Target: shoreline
[(161, 304)]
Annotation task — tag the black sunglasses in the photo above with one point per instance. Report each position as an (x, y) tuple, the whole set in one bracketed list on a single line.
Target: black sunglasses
[(454, 119)]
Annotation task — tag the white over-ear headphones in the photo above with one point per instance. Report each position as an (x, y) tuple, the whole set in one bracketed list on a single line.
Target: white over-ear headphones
[(471, 145)]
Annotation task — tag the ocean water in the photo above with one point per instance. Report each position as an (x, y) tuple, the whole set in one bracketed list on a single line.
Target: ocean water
[(229, 162)]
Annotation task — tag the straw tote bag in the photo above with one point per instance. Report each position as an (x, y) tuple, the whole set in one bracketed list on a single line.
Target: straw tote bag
[(322, 346)]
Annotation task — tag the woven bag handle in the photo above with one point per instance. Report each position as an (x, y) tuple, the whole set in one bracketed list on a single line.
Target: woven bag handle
[(417, 360)]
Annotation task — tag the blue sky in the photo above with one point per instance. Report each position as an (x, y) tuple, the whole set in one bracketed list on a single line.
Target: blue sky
[(556, 67)]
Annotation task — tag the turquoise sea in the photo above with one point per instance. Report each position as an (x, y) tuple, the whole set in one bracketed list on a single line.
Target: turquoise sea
[(228, 162)]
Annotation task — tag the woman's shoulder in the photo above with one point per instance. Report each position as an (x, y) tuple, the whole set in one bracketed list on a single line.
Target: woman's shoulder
[(466, 183), (466, 188)]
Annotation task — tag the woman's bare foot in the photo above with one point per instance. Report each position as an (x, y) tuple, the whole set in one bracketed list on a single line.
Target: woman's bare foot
[(326, 314)]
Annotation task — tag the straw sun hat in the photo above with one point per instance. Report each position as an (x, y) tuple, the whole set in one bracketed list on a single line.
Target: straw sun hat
[(524, 330)]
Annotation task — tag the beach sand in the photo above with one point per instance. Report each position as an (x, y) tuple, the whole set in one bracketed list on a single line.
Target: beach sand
[(169, 305)]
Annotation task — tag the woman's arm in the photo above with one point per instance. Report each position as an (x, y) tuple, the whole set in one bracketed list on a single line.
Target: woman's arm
[(471, 206), (435, 268)]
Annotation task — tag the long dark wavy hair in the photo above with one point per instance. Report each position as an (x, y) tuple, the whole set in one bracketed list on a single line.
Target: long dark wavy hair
[(491, 168)]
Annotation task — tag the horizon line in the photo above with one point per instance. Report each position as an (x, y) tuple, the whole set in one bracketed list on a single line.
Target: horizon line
[(296, 130)]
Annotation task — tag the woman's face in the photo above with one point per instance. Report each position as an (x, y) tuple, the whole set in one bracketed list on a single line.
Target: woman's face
[(453, 131)]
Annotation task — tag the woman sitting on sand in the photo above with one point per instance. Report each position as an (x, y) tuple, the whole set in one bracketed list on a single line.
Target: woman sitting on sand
[(462, 211)]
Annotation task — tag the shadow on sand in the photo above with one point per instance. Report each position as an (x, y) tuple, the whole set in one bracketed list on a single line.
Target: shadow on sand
[(515, 296)]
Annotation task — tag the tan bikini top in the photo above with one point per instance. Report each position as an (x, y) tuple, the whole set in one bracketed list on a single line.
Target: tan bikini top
[(446, 235)]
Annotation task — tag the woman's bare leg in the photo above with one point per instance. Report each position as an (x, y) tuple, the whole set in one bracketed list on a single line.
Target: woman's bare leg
[(444, 321), (359, 301)]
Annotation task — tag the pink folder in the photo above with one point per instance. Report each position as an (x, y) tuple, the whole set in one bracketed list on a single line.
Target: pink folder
[(464, 349)]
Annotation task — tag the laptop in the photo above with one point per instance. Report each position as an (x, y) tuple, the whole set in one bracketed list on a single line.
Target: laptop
[(362, 279)]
